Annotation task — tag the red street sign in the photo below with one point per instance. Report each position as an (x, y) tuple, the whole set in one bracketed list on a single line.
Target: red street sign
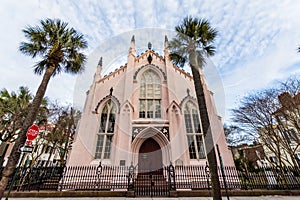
[(32, 133)]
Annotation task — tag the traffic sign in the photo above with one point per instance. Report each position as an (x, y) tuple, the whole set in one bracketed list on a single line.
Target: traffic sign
[(26, 149), (32, 133)]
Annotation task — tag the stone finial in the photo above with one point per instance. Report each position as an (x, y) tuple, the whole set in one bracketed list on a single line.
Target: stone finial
[(100, 62), (149, 45)]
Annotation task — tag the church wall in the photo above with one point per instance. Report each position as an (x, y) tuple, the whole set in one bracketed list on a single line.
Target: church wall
[(217, 128), (176, 89)]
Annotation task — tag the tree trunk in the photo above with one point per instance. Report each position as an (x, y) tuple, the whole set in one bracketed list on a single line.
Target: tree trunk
[(50, 154), (3, 150), (209, 143), (20, 141), (63, 158)]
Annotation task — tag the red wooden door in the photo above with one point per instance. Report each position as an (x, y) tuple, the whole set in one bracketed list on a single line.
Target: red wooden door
[(150, 158)]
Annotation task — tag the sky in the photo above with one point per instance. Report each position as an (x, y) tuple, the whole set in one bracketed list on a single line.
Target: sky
[(256, 44)]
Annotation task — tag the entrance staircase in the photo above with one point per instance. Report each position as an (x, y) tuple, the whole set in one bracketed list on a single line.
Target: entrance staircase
[(148, 185)]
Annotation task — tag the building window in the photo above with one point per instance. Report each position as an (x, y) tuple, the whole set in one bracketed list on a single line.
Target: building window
[(297, 157), (106, 131), (273, 159), (193, 131), (287, 136), (294, 135), (150, 95)]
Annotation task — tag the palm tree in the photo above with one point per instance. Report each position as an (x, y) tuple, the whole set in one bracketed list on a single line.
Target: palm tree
[(13, 110), (59, 49), (193, 43)]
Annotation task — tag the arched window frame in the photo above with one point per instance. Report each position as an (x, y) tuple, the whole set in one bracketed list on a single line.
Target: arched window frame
[(106, 130), (150, 95), (194, 131)]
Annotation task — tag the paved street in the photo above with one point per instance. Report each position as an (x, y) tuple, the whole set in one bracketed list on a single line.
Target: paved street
[(179, 198)]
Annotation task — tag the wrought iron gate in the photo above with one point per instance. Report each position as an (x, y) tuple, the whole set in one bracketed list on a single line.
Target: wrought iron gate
[(153, 183)]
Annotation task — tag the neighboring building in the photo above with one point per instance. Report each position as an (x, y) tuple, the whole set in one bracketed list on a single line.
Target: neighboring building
[(281, 142), (145, 113), (249, 156), (5, 149), (46, 150), (283, 147)]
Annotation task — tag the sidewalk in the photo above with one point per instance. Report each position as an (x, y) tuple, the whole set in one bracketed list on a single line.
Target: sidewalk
[(157, 198)]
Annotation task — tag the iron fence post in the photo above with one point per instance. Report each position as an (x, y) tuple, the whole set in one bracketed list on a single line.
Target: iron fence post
[(63, 171), (131, 177), (99, 172), (172, 183), (207, 176)]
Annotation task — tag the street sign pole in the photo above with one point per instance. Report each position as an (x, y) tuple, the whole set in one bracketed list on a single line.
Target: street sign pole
[(14, 177), (31, 134)]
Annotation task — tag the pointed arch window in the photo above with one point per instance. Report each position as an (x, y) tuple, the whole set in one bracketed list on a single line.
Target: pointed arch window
[(106, 131), (150, 95), (193, 131)]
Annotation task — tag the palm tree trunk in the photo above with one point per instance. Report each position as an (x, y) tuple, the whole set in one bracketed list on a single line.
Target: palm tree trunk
[(20, 141), (209, 143), (3, 149)]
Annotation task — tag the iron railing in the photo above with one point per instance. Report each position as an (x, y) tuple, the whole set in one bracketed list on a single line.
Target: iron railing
[(158, 183), (95, 178), (42, 178)]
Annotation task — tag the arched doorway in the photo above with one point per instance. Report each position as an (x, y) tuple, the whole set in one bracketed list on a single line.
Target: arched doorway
[(150, 158)]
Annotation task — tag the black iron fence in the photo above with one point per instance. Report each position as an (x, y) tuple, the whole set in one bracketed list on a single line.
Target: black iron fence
[(158, 183), (94, 178), (197, 177), (42, 178)]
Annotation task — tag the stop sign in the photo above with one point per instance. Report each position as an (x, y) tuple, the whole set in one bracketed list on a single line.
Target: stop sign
[(32, 132)]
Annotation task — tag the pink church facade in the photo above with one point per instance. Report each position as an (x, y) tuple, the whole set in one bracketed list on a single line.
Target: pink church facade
[(145, 113)]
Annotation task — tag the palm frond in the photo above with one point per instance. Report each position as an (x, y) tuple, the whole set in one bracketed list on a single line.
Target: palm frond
[(56, 45), (209, 50), (193, 41), (40, 67), (178, 60)]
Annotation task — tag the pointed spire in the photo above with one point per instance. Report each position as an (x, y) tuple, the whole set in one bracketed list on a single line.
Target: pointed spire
[(166, 42), (97, 75), (166, 50), (132, 46)]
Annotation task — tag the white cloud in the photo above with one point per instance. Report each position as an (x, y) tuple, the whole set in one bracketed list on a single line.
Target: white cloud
[(257, 39)]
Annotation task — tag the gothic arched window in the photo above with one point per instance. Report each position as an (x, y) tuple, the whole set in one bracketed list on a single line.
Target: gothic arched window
[(150, 95), (106, 131), (193, 131)]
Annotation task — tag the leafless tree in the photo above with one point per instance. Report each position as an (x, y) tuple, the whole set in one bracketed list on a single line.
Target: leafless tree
[(272, 116)]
